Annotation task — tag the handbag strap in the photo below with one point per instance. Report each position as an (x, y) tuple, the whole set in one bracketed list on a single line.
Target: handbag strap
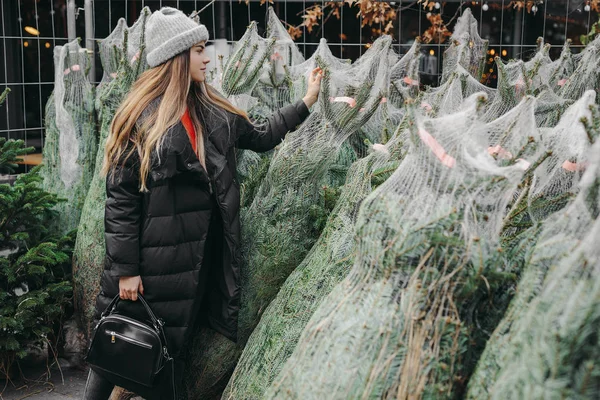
[(158, 323)]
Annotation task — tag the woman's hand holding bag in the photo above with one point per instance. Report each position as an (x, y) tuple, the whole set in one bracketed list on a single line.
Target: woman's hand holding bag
[(129, 286)]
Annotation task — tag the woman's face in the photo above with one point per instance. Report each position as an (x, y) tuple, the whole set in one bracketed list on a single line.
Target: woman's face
[(198, 62)]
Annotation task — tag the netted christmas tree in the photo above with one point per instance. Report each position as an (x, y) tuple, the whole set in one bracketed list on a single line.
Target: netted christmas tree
[(553, 74), (558, 176), (245, 65), (274, 88), (560, 236), (586, 75), (237, 78), (280, 212), (556, 353), (71, 141), (89, 255), (426, 237), (555, 346), (462, 70), (467, 48), (404, 76), (329, 261), (109, 50)]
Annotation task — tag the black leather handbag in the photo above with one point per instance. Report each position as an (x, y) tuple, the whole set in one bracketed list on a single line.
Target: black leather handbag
[(128, 352)]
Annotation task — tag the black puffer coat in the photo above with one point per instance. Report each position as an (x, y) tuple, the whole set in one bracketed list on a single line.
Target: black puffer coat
[(161, 235)]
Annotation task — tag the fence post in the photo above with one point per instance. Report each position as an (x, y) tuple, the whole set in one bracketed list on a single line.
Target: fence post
[(71, 31), (89, 37), (222, 30)]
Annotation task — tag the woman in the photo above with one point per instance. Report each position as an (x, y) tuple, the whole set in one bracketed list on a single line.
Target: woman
[(172, 227)]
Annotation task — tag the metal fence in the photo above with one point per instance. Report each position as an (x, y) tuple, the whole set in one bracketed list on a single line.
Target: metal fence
[(30, 29)]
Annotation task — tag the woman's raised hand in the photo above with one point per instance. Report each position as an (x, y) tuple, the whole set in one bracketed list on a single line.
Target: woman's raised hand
[(314, 85), (129, 286)]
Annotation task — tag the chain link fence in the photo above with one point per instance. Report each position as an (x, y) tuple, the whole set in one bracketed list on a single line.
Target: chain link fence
[(30, 30)]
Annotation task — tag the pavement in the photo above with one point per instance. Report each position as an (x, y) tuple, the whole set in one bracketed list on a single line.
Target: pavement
[(44, 384)]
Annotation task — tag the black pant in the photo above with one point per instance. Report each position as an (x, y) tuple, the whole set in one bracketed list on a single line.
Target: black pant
[(98, 387)]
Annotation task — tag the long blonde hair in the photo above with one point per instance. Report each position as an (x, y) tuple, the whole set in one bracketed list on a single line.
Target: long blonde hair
[(171, 81)]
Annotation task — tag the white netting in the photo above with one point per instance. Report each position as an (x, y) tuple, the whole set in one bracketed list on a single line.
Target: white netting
[(540, 349), (108, 48), (329, 261), (555, 73), (274, 86), (299, 73), (290, 187), (586, 75), (71, 136), (549, 108), (285, 52), (559, 174), (245, 65), (512, 86), (467, 48), (404, 76), (72, 91)]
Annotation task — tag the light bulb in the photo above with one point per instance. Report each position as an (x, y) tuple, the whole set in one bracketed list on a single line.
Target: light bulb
[(437, 5), (485, 7), (586, 8), (534, 9)]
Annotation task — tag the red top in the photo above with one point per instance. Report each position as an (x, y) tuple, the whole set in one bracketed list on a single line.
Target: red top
[(186, 120)]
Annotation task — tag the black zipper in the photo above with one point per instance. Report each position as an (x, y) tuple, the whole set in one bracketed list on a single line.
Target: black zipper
[(127, 339)]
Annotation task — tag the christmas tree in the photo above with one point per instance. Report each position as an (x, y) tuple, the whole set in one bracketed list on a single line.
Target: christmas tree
[(35, 288), (71, 141)]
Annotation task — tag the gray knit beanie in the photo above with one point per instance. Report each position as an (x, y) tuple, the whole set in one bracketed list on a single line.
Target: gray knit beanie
[(170, 32)]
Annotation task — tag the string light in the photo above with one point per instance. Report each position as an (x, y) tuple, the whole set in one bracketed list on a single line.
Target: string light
[(432, 52), (586, 8), (47, 45), (26, 44), (31, 30), (485, 7), (437, 5)]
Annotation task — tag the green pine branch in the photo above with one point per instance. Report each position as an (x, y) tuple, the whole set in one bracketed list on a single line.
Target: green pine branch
[(10, 150)]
